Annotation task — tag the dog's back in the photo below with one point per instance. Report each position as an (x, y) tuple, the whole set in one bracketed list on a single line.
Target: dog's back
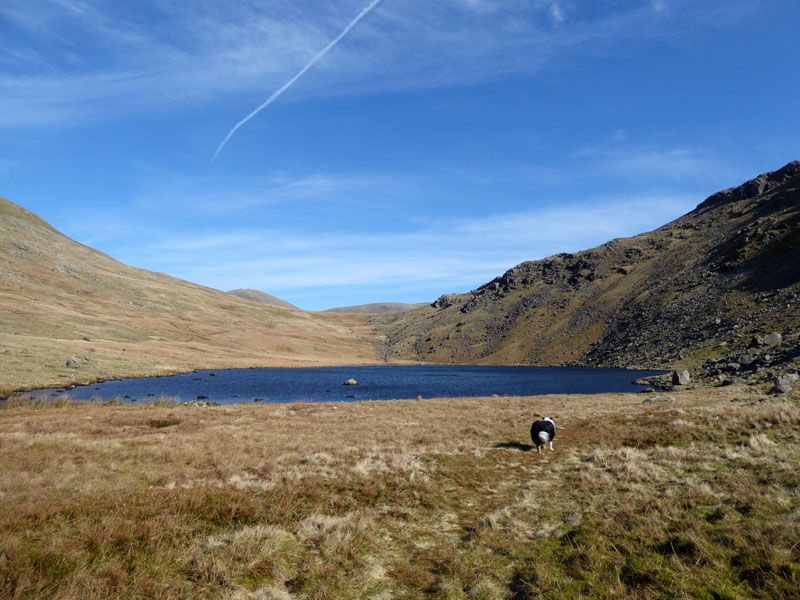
[(543, 432)]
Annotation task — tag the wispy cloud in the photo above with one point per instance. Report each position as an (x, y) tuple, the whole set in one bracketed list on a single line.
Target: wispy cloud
[(659, 6), (451, 254), (557, 13), (191, 54), (653, 163), (319, 55), (626, 159), (207, 196)]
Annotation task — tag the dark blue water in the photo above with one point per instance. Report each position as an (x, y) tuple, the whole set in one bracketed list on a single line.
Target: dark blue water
[(325, 384)]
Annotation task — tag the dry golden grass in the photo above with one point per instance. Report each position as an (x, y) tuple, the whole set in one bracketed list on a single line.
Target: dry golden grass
[(403, 499), (60, 299)]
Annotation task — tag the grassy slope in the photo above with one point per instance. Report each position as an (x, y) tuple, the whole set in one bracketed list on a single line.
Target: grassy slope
[(257, 296), (59, 298), (376, 308), (652, 300), (436, 499)]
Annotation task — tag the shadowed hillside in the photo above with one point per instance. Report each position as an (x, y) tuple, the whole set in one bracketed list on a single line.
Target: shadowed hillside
[(705, 287), (60, 299)]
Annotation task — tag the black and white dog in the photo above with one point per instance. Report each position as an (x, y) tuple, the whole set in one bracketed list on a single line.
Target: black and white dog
[(543, 432)]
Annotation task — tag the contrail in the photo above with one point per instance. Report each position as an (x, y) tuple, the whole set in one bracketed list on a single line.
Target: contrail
[(289, 83)]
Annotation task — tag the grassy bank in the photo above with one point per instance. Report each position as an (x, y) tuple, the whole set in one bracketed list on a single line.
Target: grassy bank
[(407, 499)]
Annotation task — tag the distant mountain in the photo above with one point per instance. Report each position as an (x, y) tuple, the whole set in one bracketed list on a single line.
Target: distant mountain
[(61, 300), (377, 308), (703, 291), (256, 296)]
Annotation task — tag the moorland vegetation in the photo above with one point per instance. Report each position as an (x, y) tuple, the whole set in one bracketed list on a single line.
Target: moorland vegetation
[(695, 498)]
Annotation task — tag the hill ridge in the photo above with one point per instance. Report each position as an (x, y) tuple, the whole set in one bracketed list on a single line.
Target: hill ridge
[(61, 299), (262, 297), (376, 308), (697, 289)]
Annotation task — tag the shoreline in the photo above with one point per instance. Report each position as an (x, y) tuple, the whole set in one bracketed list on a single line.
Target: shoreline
[(9, 391), (284, 388)]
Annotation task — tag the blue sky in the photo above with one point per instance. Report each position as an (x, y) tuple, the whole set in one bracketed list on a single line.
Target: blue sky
[(434, 146)]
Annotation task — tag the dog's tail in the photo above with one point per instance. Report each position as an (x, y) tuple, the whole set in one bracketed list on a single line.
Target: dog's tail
[(544, 437)]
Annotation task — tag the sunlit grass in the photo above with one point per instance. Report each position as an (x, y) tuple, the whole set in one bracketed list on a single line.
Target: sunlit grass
[(405, 499)]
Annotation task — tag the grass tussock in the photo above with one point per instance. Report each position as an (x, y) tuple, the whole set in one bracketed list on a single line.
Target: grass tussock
[(434, 499), (29, 401)]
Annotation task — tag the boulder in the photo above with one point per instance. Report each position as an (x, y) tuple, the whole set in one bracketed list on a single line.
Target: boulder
[(351, 382), (199, 403), (660, 382), (773, 339), (681, 377), (781, 388), (663, 399), (747, 359), (73, 362), (783, 384)]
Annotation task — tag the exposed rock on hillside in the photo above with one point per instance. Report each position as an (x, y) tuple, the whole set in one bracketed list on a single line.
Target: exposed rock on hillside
[(693, 293), (73, 362)]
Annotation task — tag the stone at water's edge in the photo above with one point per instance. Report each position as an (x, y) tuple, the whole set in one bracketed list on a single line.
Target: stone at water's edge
[(74, 362), (681, 377)]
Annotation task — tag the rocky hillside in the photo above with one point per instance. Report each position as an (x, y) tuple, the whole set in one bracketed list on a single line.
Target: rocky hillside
[(62, 302), (263, 298), (702, 292)]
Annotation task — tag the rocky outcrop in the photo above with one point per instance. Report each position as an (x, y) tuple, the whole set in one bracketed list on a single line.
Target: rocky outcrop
[(445, 301), (783, 384), (693, 293), (755, 187), (681, 377)]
